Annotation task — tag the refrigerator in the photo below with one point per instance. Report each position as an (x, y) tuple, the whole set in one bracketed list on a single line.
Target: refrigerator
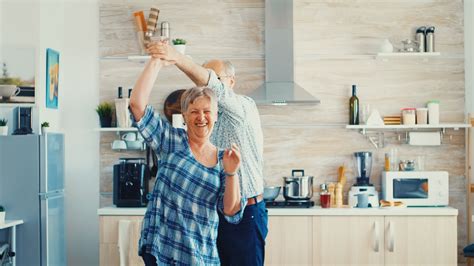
[(32, 189)]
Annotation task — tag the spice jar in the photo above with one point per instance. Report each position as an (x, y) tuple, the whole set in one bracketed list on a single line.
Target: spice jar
[(325, 196), (408, 116)]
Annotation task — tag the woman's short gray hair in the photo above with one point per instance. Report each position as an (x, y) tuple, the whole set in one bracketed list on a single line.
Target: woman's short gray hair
[(190, 95)]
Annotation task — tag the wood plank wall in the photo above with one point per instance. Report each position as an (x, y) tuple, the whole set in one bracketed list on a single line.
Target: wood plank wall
[(335, 43)]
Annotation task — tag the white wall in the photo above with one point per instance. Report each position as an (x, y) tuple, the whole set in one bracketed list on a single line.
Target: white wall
[(71, 28), (78, 119)]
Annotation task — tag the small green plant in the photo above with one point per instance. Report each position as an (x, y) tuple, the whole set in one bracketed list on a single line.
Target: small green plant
[(3, 122), (45, 124), (104, 109), (179, 41), (2, 209)]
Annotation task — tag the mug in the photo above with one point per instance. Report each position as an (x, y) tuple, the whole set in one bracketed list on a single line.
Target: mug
[(362, 200), (119, 145), (135, 145), (7, 91), (131, 136)]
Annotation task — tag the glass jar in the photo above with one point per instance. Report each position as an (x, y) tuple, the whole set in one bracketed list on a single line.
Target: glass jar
[(325, 196), (409, 116)]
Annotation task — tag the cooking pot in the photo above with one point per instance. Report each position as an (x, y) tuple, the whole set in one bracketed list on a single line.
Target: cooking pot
[(297, 187)]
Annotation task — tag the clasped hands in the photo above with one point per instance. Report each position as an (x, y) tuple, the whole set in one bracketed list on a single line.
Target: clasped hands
[(163, 51)]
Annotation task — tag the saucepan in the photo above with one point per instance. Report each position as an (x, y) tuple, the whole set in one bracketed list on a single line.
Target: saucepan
[(297, 187)]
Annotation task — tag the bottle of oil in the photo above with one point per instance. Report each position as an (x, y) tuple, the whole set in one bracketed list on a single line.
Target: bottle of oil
[(354, 108)]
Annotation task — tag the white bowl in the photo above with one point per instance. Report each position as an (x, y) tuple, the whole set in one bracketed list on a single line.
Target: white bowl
[(7, 91)]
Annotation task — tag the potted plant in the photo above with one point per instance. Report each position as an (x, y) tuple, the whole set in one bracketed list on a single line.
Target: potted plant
[(44, 128), (2, 214), (105, 111), (3, 127), (180, 45)]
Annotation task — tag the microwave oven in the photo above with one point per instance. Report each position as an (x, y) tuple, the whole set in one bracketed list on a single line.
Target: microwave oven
[(416, 188)]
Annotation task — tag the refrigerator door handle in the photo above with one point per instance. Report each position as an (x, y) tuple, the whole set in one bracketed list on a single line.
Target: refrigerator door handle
[(52, 195)]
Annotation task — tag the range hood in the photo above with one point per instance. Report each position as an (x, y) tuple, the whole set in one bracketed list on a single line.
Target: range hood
[(279, 87)]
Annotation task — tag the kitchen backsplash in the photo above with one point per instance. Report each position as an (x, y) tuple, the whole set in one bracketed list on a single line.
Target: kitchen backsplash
[(335, 43)]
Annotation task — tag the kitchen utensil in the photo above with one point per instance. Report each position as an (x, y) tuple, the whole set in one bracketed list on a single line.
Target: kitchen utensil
[(363, 167), (341, 178), (271, 193), (362, 200), (134, 145), (420, 39), (297, 187), (119, 145), (430, 39), (409, 46), (130, 136), (7, 91), (407, 165)]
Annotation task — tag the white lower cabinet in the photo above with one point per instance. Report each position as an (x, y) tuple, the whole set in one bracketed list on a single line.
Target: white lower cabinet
[(344, 240), (119, 237), (361, 240), (420, 240), (289, 240)]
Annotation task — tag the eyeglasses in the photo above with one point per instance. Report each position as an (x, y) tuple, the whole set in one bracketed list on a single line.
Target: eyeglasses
[(221, 77)]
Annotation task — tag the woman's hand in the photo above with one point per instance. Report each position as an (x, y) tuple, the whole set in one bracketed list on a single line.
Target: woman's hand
[(231, 159)]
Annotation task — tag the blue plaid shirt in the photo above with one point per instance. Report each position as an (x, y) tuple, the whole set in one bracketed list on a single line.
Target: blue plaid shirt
[(180, 223)]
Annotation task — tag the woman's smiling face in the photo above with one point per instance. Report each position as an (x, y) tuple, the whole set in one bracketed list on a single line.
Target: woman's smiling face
[(200, 117)]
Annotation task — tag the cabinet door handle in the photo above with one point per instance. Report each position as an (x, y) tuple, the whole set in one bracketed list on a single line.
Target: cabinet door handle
[(391, 239), (376, 236)]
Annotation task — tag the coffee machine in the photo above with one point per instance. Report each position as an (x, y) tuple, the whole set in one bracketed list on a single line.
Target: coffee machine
[(23, 121), (363, 167), (130, 182)]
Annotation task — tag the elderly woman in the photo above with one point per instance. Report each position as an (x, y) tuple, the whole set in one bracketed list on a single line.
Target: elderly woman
[(195, 179)]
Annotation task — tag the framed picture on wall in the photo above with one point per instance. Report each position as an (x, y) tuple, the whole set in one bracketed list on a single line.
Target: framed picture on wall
[(52, 78)]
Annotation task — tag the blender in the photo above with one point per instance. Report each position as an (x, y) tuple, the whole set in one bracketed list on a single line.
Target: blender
[(362, 189)]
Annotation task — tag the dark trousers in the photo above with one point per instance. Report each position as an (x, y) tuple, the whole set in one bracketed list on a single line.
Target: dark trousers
[(244, 243)]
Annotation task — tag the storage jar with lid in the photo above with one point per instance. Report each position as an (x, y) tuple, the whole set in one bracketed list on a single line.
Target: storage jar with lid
[(421, 116), (408, 116), (433, 112)]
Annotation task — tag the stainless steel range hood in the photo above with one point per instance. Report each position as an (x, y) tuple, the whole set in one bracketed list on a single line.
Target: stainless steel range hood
[(279, 87)]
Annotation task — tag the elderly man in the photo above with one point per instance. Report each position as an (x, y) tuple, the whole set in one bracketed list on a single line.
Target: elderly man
[(239, 122)]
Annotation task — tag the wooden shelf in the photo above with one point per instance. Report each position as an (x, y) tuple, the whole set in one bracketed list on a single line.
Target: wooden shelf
[(17, 104), (385, 56), (454, 126)]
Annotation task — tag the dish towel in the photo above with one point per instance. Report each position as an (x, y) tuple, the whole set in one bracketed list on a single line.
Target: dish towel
[(124, 241)]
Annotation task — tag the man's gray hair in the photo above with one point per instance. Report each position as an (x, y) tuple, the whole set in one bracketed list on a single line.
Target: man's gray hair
[(229, 68), (190, 95)]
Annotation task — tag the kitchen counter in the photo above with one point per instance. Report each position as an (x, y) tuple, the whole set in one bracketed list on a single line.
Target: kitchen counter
[(317, 211)]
